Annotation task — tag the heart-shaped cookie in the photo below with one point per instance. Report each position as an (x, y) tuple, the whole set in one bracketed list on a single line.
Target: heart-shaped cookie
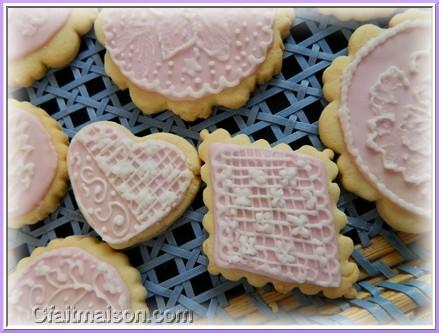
[(130, 188)]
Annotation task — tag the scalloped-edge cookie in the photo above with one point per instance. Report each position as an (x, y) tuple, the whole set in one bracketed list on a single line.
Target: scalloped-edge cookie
[(37, 171), (42, 38), (77, 272), (272, 216), (379, 115), (188, 60), (130, 188), (357, 13)]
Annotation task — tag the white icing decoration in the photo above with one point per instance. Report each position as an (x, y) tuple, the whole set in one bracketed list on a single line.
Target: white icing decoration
[(300, 225), (265, 226), (189, 33), (264, 222), (258, 176), (31, 22), (66, 282), (242, 197), (151, 183), (387, 103), (20, 169), (277, 197), (288, 176), (384, 103), (321, 253)]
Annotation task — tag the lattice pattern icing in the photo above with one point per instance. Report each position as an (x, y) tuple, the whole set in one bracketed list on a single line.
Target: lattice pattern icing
[(273, 215), (66, 277), (124, 186), (189, 53)]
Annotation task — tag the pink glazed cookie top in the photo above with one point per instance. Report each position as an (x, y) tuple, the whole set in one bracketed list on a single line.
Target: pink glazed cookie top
[(124, 186), (185, 54), (273, 216), (32, 28), (65, 277), (29, 175), (386, 113)]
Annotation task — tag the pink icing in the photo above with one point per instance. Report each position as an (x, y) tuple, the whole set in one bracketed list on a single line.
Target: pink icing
[(29, 175), (123, 186), (66, 277), (31, 28), (185, 54), (273, 215), (386, 114)]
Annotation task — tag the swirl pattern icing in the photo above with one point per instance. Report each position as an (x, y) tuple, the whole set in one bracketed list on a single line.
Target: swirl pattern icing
[(185, 54), (66, 277), (31, 28), (29, 176), (273, 215), (124, 186), (387, 130)]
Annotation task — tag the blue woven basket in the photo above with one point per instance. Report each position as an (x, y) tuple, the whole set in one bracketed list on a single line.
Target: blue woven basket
[(287, 110)]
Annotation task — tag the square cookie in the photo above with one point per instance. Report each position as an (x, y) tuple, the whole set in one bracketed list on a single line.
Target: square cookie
[(272, 216)]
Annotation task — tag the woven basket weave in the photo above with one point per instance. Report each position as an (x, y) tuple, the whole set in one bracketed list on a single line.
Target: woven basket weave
[(395, 274)]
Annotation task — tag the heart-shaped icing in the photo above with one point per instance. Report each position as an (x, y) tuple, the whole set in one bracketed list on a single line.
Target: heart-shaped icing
[(185, 54), (124, 184)]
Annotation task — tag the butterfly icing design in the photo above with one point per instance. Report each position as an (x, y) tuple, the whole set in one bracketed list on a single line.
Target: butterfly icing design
[(175, 33), (187, 53), (193, 31), (400, 132)]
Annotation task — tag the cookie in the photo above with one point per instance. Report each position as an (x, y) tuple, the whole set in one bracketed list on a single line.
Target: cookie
[(76, 272), (379, 117), (129, 188), (42, 38), (272, 216), (189, 59), (37, 172), (357, 13)]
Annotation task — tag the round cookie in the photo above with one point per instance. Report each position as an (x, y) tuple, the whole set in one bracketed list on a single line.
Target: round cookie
[(190, 59), (130, 188), (37, 171), (42, 38), (379, 118), (74, 274)]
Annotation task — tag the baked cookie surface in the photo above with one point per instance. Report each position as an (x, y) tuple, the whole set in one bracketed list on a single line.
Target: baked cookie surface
[(129, 188), (42, 38), (188, 60), (272, 216), (35, 184), (379, 118), (73, 273)]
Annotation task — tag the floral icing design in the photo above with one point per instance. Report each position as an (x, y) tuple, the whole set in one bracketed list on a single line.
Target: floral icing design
[(412, 148), (124, 186), (66, 277), (387, 127), (29, 176), (269, 227), (189, 53)]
